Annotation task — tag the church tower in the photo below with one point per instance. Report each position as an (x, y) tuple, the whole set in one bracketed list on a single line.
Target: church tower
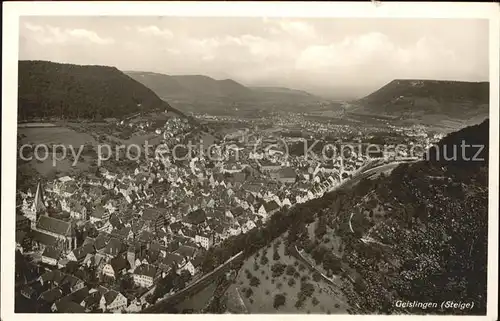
[(38, 207)]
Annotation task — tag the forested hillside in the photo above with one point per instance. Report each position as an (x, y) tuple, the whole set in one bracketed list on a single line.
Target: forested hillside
[(66, 91), (419, 234), (417, 97)]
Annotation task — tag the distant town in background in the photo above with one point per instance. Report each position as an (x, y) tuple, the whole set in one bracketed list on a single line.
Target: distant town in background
[(262, 228)]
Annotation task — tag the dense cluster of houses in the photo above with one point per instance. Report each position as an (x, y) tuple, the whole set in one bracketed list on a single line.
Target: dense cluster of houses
[(112, 225)]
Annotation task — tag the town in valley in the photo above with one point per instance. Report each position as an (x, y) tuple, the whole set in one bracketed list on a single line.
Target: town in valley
[(157, 193)]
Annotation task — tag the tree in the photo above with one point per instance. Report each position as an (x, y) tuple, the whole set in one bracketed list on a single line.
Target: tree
[(306, 290), (150, 299), (254, 281), (279, 300), (248, 292), (185, 276), (290, 270), (278, 269)]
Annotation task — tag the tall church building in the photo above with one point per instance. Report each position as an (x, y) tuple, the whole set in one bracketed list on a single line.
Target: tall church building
[(49, 231)]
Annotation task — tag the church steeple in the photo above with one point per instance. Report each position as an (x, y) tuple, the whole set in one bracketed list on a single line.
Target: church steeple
[(38, 204)]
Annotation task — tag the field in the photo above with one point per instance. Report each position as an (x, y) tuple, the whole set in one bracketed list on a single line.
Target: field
[(59, 136), (266, 282), (56, 135)]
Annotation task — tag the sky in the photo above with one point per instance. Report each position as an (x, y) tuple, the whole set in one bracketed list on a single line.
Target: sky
[(323, 56)]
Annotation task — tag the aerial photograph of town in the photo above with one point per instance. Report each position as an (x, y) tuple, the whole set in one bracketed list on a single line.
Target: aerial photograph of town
[(203, 165)]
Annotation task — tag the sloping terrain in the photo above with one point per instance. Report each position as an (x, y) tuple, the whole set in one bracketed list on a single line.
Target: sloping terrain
[(66, 91), (274, 281), (206, 86), (284, 94), (189, 86), (200, 94), (419, 234), (417, 98)]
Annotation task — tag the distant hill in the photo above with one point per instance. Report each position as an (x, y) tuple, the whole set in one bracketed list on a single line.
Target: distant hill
[(204, 85), (282, 93), (201, 93), (281, 90), (414, 98), (188, 86), (66, 91)]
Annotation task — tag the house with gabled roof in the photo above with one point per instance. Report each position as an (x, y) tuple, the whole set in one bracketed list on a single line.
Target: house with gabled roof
[(49, 297), (65, 305), (175, 227), (51, 255), (99, 214), (115, 247), (186, 251), (266, 165), (113, 301), (188, 232), (101, 241), (116, 222), (286, 202), (74, 208), (92, 301), (189, 267), (28, 292), (195, 218), (96, 261), (72, 283), (234, 230), (125, 234), (135, 252), (173, 260), (79, 254), (287, 175), (247, 226), (205, 239), (148, 257), (154, 218), (103, 226), (237, 211), (115, 267), (269, 208), (145, 275), (51, 278), (68, 189)]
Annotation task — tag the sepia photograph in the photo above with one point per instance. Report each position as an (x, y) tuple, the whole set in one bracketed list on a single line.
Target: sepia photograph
[(256, 162)]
